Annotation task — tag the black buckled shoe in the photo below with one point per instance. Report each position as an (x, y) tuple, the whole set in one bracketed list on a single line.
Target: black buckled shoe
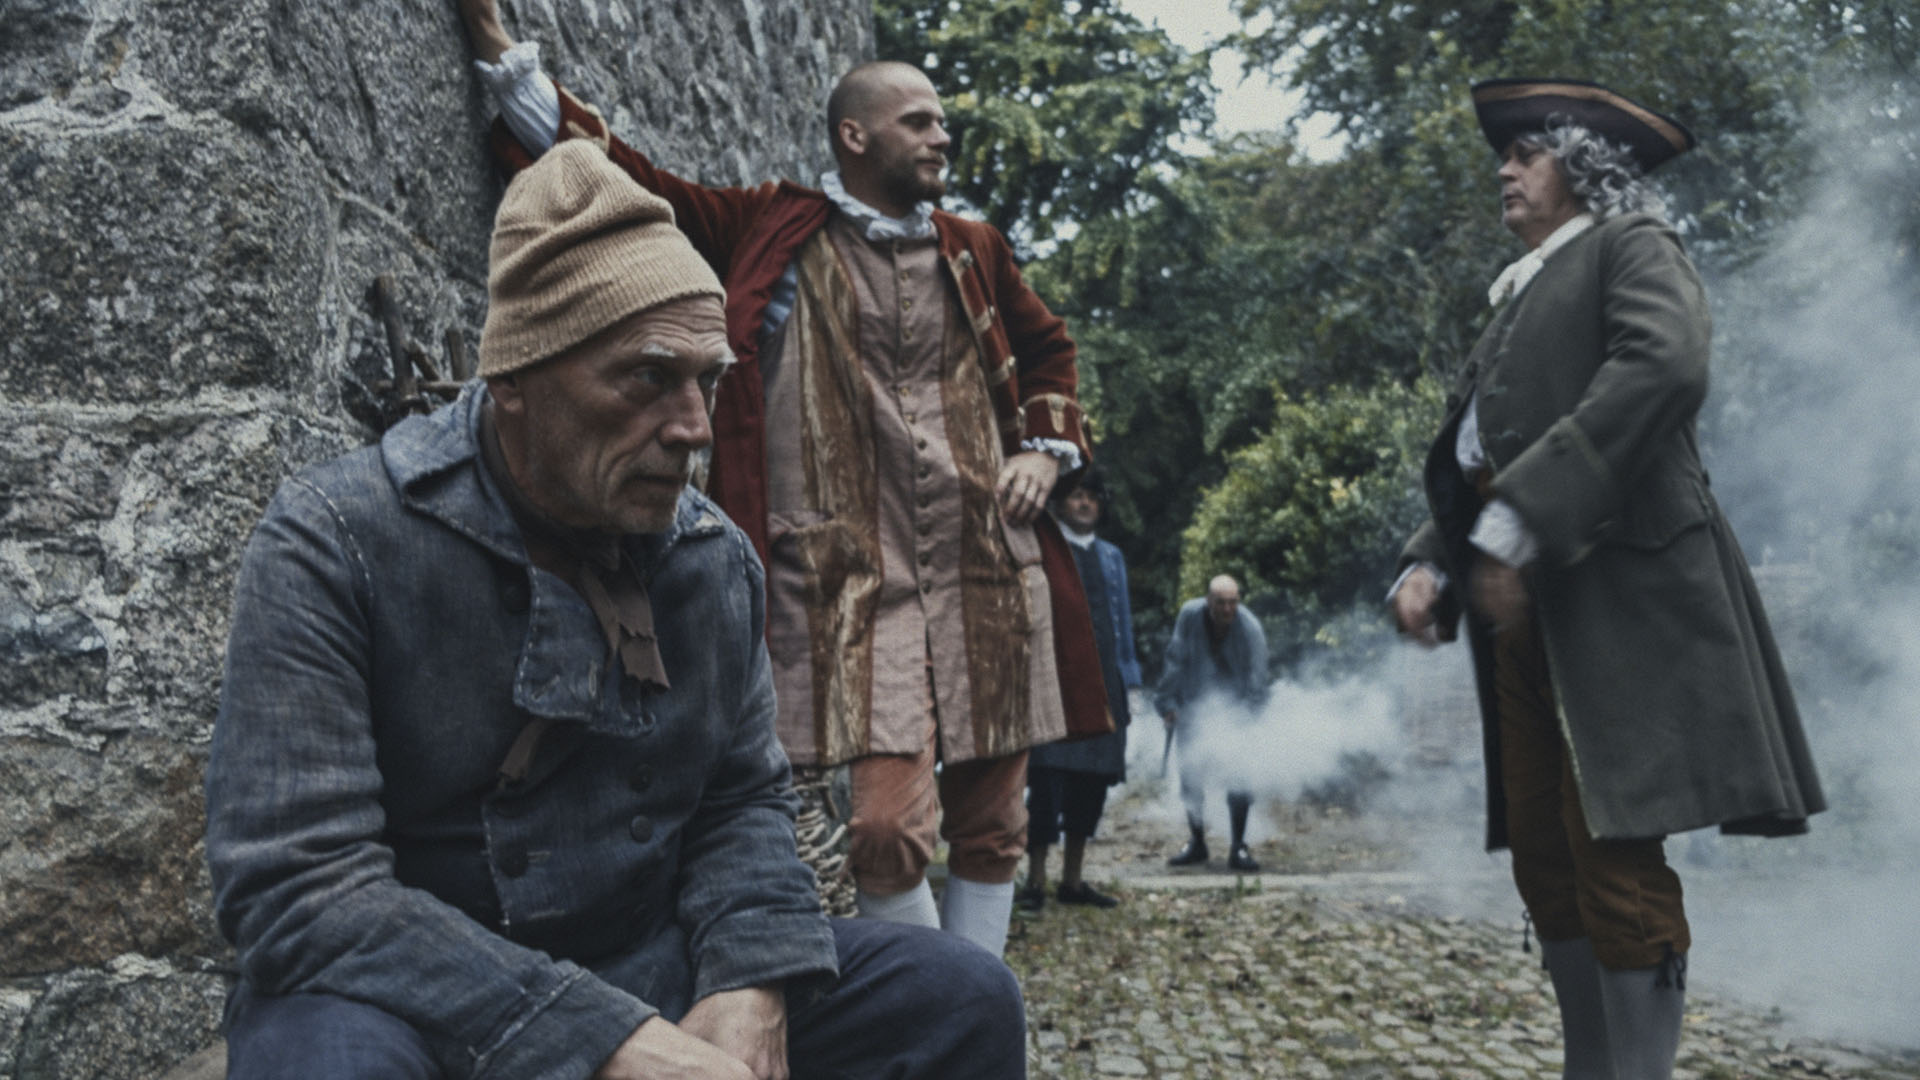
[(1194, 854), (1086, 895), (1242, 859), (1030, 898)]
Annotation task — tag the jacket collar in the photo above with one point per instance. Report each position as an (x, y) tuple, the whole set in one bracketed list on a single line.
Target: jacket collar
[(874, 225), (434, 464), (1522, 270)]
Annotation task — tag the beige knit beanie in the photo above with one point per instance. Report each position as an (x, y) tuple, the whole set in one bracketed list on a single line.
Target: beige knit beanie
[(578, 245)]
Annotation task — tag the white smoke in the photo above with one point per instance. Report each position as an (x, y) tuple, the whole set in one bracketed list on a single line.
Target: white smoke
[(1827, 927), (1810, 436)]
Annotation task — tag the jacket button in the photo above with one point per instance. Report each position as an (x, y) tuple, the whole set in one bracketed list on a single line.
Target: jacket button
[(642, 777), (513, 596), (641, 830), (513, 862)]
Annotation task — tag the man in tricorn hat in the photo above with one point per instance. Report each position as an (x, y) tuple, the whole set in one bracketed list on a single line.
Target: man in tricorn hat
[(1629, 684)]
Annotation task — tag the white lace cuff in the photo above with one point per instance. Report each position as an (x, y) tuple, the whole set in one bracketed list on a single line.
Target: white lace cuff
[(1439, 578), (1067, 453), (528, 102), (1500, 533)]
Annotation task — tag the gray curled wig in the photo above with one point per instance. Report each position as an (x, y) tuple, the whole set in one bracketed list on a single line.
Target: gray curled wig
[(1601, 174)]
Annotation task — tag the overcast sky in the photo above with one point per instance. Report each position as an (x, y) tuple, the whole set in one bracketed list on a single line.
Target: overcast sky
[(1251, 104)]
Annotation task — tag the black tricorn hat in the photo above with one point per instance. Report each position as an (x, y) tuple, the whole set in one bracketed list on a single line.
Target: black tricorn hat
[(1092, 479), (1510, 108)]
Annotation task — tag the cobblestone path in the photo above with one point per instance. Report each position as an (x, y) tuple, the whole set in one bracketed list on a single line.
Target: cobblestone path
[(1333, 975)]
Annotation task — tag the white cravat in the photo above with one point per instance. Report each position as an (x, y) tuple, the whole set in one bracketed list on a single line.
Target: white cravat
[(916, 225), (1521, 270)]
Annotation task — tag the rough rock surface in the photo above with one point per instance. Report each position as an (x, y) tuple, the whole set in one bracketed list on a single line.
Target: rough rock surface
[(194, 198)]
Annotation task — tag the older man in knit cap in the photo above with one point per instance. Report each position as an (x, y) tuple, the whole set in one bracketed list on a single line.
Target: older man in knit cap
[(494, 788), (1629, 685)]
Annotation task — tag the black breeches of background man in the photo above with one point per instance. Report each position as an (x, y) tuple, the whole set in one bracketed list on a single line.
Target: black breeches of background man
[(1062, 800)]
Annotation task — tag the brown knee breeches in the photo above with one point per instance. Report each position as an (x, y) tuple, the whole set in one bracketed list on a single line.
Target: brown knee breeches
[(1620, 893)]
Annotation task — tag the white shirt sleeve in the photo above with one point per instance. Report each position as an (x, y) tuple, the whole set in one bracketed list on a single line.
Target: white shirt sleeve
[(1500, 533), (1067, 453), (526, 97)]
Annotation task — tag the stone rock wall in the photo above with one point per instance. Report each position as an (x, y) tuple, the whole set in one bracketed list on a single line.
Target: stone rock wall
[(194, 198)]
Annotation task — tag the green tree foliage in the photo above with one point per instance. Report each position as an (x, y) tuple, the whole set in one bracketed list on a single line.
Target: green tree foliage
[(1786, 97), (1061, 110), (1255, 326), (1310, 514)]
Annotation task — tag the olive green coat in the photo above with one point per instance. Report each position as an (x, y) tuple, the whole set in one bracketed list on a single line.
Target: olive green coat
[(1672, 699)]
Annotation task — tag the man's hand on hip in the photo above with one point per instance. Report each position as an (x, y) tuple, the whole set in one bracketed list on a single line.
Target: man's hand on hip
[(1025, 482), (657, 1050), (749, 1024)]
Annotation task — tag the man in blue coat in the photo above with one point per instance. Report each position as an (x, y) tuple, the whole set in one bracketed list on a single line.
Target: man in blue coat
[(1067, 782), (1215, 675), (494, 788)]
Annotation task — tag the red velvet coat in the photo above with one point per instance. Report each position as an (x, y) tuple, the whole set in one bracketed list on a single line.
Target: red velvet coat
[(750, 235)]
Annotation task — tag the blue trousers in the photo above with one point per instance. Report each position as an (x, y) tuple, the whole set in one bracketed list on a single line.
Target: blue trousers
[(910, 1003)]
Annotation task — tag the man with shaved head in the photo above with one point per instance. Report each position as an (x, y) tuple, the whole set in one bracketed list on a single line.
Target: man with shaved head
[(901, 406), (1215, 677)]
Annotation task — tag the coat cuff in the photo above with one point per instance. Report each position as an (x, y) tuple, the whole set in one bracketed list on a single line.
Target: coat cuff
[(1564, 490), (1054, 417), (1424, 546), (758, 949), (573, 1034)]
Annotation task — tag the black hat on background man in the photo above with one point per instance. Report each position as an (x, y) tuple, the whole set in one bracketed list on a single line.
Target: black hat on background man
[(1092, 480), (1512, 108)]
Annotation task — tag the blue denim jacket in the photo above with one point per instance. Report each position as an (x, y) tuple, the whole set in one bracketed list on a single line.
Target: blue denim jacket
[(1120, 610), (390, 641)]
